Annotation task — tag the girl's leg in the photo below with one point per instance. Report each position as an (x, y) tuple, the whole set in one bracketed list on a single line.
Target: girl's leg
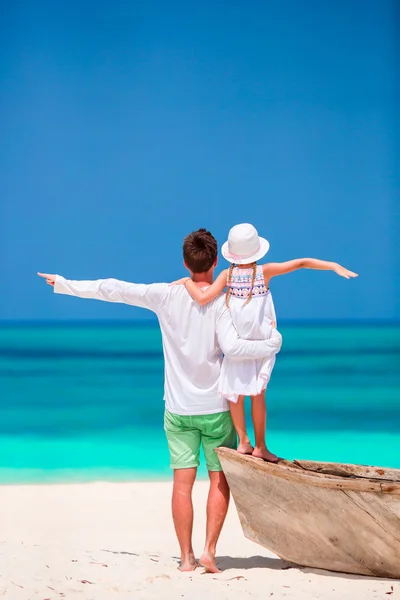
[(259, 415), (239, 422)]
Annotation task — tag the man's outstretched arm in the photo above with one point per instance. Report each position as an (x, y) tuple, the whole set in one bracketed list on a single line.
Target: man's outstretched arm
[(110, 290), (237, 348)]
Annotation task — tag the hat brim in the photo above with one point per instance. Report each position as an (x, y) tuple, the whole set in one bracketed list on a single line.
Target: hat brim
[(264, 247)]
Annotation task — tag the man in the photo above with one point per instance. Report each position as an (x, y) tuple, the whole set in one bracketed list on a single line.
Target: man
[(194, 338)]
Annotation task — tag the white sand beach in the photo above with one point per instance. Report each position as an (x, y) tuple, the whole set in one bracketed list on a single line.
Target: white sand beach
[(104, 540)]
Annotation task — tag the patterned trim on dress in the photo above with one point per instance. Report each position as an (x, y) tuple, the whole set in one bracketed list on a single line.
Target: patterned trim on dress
[(240, 284)]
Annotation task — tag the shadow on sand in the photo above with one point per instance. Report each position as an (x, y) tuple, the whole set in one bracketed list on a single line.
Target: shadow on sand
[(252, 562), (278, 564), (226, 563)]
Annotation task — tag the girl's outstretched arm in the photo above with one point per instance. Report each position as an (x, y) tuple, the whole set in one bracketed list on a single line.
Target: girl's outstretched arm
[(273, 269), (204, 296)]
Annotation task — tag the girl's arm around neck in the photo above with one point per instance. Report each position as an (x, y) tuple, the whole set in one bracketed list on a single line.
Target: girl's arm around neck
[(214, 290), (274, 269)]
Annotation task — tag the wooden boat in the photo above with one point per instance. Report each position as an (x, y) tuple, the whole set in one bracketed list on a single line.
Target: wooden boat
[(324, 515)]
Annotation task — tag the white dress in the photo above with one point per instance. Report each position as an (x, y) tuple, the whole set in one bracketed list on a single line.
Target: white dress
[(253, 321)]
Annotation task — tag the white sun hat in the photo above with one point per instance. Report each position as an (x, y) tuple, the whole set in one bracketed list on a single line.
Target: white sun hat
[(244, 245)]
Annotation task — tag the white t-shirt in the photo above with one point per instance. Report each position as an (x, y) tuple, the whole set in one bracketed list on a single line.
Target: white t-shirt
[(193, 336)]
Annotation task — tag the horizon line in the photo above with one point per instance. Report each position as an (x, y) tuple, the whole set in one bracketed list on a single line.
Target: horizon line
[(153, 320)]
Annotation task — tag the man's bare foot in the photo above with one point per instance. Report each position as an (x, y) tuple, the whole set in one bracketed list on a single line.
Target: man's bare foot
[(265, 454), (245, 448), (188, 563), (207, 560)]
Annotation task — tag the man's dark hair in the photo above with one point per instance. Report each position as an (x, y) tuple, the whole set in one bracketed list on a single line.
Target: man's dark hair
[(200, 250)]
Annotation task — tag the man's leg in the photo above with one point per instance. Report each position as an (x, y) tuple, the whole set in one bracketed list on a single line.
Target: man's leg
[(184, 448), (182, 514), (217, 508), (217, 430)]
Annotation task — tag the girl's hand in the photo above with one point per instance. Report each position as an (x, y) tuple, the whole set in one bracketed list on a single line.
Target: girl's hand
[(344, 272), (50, 279), (181, 281)]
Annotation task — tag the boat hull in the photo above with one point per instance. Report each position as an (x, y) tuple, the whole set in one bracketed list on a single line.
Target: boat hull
[(316, 519)]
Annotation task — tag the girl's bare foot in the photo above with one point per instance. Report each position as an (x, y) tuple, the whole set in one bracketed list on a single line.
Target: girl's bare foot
[(188, 563), (207, 560), (265, 454), (245, 448)]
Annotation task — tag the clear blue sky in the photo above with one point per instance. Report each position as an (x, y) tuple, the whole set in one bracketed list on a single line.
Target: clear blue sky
[(125, 125)]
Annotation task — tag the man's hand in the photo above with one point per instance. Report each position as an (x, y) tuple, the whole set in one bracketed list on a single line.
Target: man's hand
[(181, 281), (344, 272), (50, 279)]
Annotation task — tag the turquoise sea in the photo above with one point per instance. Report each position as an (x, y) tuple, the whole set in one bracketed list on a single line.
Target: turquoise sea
[(84, 401)]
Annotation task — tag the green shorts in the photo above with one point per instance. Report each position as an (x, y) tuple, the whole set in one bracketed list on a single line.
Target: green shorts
[(186, 433)]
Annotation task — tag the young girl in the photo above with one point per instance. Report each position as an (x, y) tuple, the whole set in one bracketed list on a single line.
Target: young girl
[(250, 302)]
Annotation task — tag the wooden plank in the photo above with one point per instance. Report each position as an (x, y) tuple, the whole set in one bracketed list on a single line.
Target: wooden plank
[(317, 520), (346, 470), (290, 471)]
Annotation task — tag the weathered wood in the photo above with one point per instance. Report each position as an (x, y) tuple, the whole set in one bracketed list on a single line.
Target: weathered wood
[(315, 518), (343, 470)]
